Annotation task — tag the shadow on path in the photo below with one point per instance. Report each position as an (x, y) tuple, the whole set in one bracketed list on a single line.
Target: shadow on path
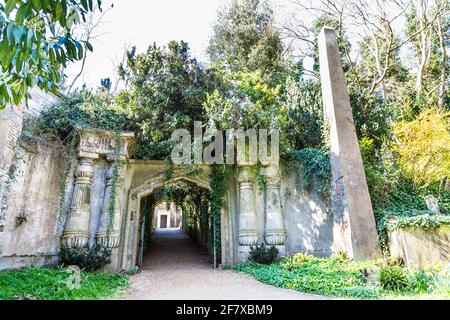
[(176, 268)]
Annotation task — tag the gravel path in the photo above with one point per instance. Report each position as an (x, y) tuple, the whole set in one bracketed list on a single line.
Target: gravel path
[(175, 268)]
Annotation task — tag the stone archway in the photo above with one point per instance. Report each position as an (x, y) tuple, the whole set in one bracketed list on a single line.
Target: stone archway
[(130, 246)]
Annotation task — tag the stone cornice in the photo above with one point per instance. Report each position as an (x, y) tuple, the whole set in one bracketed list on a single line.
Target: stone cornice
[(95, 143)]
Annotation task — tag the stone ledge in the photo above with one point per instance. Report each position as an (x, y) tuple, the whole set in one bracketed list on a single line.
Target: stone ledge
[(17, 262), (420, 246)]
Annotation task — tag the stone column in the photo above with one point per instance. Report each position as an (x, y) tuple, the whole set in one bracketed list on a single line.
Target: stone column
[(354, 228), (275, 233), (108, 234), (76, 232), (248, 227)]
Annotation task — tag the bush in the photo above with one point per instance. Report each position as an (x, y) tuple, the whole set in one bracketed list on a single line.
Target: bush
[(86, 259), (296, 261), (393, 278), (262, 254), (420, 281)]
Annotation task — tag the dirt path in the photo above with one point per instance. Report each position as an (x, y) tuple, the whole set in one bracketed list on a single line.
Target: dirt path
[(175, 268)]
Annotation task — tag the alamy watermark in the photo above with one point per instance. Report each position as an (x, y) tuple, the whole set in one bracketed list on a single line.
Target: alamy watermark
[(231, 146)]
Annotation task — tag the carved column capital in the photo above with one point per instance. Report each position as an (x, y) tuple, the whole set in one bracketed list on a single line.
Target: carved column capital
[(245, 175)]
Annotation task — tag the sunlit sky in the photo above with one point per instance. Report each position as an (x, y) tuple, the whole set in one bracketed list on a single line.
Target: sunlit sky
[(142, 22)]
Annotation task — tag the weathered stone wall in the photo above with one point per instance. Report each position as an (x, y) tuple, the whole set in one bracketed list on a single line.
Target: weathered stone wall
[(28, 177), (419, 247), (307, 218), (34, 196)]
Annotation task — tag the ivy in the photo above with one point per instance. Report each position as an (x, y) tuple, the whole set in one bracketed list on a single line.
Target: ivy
[(315, 168), (114, 180), (70, 160), (423, 221), (216, 198)]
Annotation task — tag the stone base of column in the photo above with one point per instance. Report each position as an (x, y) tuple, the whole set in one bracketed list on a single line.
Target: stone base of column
[(108, 241), (277, 239), (246, 241), (248, 238), (75, 240), (243, 254)]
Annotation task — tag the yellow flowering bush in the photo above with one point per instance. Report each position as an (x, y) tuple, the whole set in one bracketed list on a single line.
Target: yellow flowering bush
[(423, 147)]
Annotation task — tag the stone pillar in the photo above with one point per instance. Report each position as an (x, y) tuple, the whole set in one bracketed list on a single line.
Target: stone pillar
[(248, 226), (108, 234), (76, 232), (275, 233), (354, 228)]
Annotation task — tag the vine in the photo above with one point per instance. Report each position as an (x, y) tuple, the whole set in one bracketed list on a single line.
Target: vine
[(10, 178), (216, 203), (114, 180), (70, 161), (315, 171)]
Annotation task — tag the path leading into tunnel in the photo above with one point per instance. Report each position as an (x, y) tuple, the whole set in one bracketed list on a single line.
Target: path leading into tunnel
[(175, 268)]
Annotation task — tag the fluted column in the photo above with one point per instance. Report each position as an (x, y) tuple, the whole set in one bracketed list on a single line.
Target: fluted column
[(248, 226), (108, 234), (76, 231), (275, 233)]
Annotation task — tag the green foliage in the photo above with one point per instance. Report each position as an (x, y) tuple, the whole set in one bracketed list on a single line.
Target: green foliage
[(420, 281), (343, 277), (393, 278), (216, 197), (262, 254), (296, 260), (83, 109), (245, 39), (166, 90), (423, 147), (315, 168), (87, 259), (51, 284), (36, 43), (420, 220), (328, 276), (303, 101)]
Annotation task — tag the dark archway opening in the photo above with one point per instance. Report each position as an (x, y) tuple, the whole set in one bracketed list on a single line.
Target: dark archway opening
[(177, 227)]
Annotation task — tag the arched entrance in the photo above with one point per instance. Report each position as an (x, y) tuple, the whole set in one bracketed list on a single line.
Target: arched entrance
[(173, 216), (132, 247)]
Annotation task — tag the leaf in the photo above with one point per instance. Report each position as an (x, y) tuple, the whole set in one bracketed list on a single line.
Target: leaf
[(10, 32), (84, 4), (36, 4), (30, 39), (89, 46), (10, 6)]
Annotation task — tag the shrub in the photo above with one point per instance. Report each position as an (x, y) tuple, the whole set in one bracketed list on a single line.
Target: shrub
[(296, 260), (262, 254), (423, 147), (393, 278), (420, 281), (440, 283), (86, 259)]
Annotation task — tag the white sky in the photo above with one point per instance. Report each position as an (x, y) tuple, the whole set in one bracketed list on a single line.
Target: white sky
[(142, 22)]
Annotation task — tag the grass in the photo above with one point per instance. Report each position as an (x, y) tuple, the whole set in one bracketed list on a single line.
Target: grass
[(343, 277), (52, 284)]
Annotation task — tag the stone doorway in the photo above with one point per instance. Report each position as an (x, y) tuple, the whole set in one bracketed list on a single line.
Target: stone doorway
[(176, 210), (143, 193)]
